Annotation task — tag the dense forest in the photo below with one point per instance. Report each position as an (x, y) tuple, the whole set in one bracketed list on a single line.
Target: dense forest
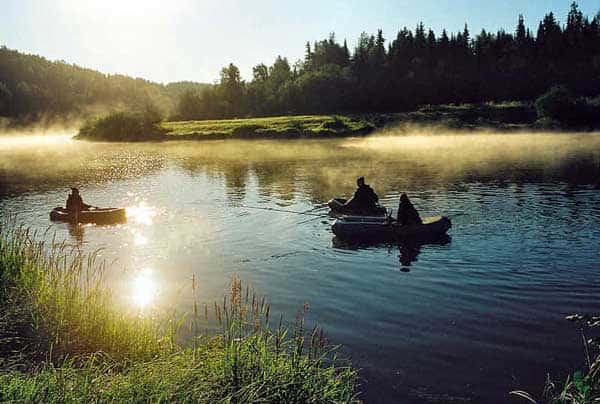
[(414, 68), (33, 88)]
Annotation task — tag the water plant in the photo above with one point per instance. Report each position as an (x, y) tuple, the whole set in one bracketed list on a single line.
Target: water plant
[(584, 386)]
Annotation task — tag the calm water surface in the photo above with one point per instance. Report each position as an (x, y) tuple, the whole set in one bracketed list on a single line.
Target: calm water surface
[(463, 321)]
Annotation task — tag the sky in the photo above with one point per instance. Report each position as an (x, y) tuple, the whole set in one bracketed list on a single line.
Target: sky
[(178, 40)]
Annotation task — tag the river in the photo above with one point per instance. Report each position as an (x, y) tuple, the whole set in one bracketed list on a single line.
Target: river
[(466, 320)]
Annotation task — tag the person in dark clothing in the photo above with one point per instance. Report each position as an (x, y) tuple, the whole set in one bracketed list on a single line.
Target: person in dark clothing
[(75, 202), (364, 199), (407, 214)]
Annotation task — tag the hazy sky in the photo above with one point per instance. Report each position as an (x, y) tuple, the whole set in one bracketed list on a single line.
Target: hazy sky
[(192, 39)]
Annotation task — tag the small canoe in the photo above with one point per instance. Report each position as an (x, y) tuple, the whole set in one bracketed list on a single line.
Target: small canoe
[(337, 206), (91, 215), (382, 229)]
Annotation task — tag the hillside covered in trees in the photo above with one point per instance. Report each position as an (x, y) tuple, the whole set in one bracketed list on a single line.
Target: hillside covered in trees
[(33, 88), (414, 68)]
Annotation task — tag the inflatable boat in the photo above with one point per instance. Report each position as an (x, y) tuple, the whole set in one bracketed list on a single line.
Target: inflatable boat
[(385, 229)]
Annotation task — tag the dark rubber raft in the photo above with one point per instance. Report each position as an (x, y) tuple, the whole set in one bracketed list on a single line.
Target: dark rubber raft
[(92, 215), (383, 229), (337, 206)]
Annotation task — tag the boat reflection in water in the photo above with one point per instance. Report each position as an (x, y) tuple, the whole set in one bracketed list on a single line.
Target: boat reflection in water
[(77, 232), (408, 250)]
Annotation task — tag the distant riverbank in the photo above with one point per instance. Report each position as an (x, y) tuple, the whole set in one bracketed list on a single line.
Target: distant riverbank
[(555, 110), (130, 127)]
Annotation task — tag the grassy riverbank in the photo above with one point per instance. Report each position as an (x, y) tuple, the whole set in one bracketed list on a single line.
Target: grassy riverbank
[(555, 110), (63, 338), (131, 127), (505, 116), (273, 127)]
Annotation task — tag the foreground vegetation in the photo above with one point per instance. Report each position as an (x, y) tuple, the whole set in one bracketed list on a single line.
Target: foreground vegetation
[(582, 387), (62, 339)]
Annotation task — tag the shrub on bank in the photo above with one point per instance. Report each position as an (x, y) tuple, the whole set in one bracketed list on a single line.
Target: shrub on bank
[(336, 124), (247, 130), (558, 105), (123, 126)]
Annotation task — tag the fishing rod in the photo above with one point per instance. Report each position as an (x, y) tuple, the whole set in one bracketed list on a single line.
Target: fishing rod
[(285, 211)]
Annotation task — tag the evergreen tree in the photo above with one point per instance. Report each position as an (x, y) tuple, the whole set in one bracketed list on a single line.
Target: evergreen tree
[(520, 32), (308, 56), (231, 89), (415, 67)]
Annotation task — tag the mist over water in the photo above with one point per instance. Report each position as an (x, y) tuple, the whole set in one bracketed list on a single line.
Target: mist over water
[(470, 319)]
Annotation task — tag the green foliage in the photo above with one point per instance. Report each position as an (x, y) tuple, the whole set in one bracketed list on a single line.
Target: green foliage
[(548, 124), (336, 124), (67, 309), (414, 68), (189, 106), (72, 343), (282, 126), (584, 386), (37, 88), (296, 125), (559, 105), (124, 126), (246, 130)]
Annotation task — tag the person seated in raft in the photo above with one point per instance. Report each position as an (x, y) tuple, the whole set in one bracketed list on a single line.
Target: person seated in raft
[(407, 214), (364, 199), (75, 203)]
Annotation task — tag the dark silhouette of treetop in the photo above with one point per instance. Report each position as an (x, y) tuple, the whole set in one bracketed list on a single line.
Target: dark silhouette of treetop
[(413, 67)]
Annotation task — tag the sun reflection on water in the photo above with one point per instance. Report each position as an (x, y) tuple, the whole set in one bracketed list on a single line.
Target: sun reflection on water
[(139, 239), (144, 289), (141, 213)]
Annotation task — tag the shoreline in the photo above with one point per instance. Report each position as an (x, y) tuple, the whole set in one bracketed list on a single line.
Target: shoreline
[(506, 117)]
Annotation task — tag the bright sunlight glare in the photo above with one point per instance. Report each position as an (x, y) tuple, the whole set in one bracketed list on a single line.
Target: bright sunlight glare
[(29, 141), (144, 288), (118, 8), (141, 213)]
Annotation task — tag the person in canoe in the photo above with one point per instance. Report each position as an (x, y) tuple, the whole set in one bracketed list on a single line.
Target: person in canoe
[(407, 214), (364, 199), (75, 202)]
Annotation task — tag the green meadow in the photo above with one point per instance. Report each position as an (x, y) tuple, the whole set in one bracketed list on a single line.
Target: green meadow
[(281, 126)]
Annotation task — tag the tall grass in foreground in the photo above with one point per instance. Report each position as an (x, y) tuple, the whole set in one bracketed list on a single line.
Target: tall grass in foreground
[(62, 339), (582, 387)]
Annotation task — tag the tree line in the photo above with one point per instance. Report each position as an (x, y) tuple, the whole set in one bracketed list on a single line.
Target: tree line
[(34, 88), (414, 68), (378, 75)]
